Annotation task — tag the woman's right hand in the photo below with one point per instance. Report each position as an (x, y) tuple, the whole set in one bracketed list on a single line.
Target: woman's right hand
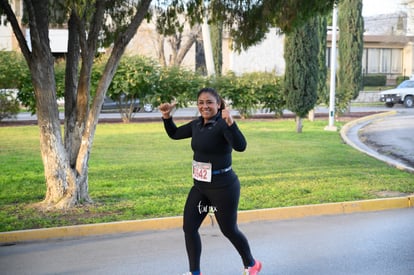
[(166, 109)]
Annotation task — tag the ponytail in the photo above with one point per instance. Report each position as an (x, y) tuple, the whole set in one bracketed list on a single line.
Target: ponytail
[(222, 103)]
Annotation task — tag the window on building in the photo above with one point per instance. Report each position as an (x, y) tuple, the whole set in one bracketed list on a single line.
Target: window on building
[(377, 61), (384, 61), (373, 61), (397, 61)]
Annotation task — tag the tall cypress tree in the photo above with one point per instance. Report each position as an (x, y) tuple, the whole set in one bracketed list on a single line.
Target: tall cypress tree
[(350, 50), (301, 72), (323, 93)]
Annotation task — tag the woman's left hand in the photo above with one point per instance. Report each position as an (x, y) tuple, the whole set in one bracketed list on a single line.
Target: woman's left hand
[(225, 113)]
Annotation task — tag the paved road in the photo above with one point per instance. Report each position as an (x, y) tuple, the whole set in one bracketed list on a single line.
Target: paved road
[(389, 137), (360, 243), (392, 136)]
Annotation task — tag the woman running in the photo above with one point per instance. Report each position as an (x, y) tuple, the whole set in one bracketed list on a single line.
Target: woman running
[(216, 186)]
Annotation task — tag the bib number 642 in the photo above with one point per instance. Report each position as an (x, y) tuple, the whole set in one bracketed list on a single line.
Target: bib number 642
[(202, 171)]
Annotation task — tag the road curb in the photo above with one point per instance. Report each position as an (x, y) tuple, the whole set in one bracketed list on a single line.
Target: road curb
[(352, 123), (66, 232)]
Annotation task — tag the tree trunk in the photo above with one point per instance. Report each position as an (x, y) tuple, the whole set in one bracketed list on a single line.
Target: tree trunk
[(161, 53), (88, 133), (192, 38), (71, 86), (61, 191), (311, 115), (179, 46), (60, 180), (299, 125)]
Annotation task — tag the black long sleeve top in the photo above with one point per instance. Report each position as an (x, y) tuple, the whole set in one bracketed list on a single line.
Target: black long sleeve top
[(211, 142)]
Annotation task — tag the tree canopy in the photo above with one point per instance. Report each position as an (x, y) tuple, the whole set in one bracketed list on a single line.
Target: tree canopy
[(350, 50), (248, 21), (301, 75)]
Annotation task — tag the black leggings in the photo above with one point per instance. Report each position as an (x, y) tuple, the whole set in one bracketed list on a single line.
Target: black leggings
[(224, 202)]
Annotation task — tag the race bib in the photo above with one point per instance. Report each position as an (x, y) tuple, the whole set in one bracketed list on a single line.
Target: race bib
[(202, 171)]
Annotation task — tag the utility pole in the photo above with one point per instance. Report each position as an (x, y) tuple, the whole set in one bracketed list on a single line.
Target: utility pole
[(331, 126)]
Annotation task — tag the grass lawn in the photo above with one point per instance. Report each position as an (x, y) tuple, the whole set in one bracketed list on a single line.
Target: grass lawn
[(137, 172)]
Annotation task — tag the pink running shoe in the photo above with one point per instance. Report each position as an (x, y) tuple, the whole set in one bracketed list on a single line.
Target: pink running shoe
[(253, 270)]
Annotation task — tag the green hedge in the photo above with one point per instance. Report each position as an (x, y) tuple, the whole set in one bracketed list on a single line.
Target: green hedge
[(375, 80)]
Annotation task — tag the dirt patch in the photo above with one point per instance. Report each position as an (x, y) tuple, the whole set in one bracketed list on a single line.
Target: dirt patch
[(388, 151), (390, 194)]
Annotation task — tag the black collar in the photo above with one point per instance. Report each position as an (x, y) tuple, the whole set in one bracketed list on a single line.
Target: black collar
[(212, 120)]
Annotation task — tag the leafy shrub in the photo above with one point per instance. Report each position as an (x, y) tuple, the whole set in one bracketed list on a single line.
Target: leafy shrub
[(9, 105), (400, 79), (142, 78), (176, 84), (12, 68), (134, 77), (15, 74), (270, 92), (251, 91)]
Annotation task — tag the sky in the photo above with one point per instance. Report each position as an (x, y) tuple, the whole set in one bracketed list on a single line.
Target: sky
[(375, 7)]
